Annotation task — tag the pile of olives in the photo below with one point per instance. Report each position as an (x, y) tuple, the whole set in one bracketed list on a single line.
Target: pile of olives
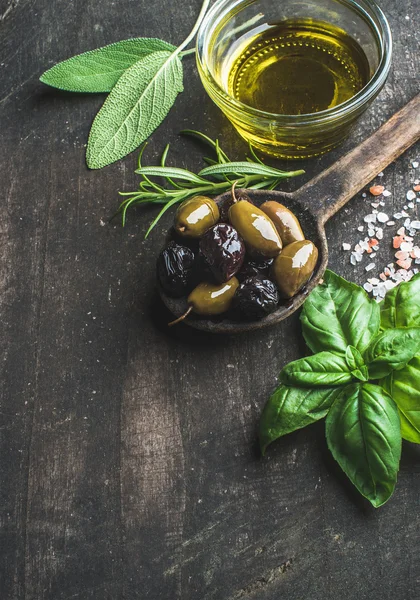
[(239, 257)]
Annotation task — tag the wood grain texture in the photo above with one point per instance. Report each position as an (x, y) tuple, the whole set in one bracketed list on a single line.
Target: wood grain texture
[(128, 465)]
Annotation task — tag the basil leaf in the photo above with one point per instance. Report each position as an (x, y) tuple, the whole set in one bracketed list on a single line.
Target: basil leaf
[(404, 387), (324, 368), (392, 350), (137, 104), (291, 408), (99, 70), (337, 314), (356, 364), (401, 307), (363, 434)]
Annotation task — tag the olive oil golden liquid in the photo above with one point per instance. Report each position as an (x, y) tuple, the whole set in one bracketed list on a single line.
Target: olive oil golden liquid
[(297, 67)]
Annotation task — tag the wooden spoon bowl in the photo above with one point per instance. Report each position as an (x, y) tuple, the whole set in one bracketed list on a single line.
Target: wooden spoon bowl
[(313, 204)]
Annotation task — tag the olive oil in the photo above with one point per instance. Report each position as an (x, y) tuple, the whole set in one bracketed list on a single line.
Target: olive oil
[(297, 67)]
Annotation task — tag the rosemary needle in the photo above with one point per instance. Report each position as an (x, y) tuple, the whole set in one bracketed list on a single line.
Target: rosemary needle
[(216, 178)]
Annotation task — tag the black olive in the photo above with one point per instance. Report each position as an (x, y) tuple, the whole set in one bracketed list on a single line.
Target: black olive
[(222, 251), (255, 298), (255, 268), (175, 269)]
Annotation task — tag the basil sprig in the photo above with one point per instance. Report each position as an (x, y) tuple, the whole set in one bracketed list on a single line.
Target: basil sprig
[(355, 340)]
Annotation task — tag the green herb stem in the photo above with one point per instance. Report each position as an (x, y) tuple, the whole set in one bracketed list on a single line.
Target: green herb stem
[(187, 52), (183, 184), (194, 30)]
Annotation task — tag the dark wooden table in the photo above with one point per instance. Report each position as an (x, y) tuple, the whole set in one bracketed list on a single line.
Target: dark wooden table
[(129, 467)]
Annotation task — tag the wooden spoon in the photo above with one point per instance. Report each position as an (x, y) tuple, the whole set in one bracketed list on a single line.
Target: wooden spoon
[(315, 202)]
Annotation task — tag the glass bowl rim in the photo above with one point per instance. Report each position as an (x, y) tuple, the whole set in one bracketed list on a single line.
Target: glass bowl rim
[(369, 91)]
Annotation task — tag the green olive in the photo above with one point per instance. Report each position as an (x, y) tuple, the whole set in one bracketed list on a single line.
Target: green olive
[(256, 229), (195, 216), (210, 299), (285, 222), (294, 266)]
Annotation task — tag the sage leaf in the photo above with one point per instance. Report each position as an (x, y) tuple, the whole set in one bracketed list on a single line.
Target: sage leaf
[(99, 70), (401, 306), (363, 434), (291, 408), (392, 350), (338, 313), (324, 368), (137, 104), (404, 387), (356, 363)]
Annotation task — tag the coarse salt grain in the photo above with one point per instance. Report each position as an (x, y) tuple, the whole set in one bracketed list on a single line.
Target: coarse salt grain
[(416, 188), (386, 193), (370, 266), (360, 228), (404, 264), (370, 218), (390, 223), (382, 217), (368, 287), (415, 224), (346, 246), (397, 241), (406, 246), (376, 190), (410, 195), (415, 164)]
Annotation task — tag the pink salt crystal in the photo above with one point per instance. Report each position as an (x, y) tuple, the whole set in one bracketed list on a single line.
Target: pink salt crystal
[(382, 276), (401, 255), (376, 190), (397, 241), (404, 264)]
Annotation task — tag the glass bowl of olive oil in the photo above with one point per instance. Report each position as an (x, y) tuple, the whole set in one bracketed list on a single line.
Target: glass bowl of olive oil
[(293, 76)]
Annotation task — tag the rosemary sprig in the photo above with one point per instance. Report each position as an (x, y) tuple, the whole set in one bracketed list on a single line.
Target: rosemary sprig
[(215, 179)]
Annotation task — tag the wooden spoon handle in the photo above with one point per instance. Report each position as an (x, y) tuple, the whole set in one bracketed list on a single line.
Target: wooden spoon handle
[(326, 193)]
